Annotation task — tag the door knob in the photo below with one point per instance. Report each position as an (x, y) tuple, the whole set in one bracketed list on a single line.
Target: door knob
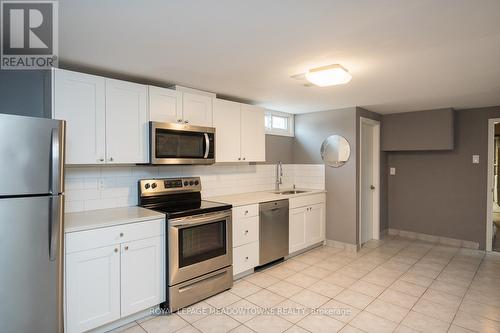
[(372, 187)]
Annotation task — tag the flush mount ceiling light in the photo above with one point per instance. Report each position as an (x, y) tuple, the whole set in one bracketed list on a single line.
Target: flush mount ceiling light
[(325, 76)]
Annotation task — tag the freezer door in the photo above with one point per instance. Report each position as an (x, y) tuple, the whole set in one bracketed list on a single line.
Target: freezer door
[(31, 264), (32, 155)]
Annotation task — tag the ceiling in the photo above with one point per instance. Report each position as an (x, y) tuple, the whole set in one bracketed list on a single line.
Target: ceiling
[(403, 55)]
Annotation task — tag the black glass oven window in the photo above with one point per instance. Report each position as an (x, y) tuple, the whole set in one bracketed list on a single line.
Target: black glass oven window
[(202, 242), (174, 144)]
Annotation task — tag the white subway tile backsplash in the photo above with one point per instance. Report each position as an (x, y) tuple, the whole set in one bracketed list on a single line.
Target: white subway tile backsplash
[(116, 186)]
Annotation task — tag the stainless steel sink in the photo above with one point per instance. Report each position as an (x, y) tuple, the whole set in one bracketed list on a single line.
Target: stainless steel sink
[(290, 192)]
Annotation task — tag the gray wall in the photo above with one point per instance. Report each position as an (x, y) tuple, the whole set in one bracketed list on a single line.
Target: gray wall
[(404, 131), (443, 193), (310, 131), (25, 93), (279, 148)]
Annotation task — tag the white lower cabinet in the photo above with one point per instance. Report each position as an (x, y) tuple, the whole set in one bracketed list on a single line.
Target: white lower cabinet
[(306, 222), (121, 275), (245, 238), (92, 288), (245, 257), (297, 227), (141, 276)]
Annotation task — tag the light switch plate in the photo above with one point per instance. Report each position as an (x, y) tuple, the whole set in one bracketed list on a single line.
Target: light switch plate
[(392, 171), (475, 159)]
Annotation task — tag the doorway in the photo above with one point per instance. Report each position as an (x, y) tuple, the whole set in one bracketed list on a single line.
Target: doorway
[(493, 188), (369, 180)]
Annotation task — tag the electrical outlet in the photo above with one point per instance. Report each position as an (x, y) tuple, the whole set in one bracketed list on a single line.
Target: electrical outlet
[(392, 171), (475, 159)]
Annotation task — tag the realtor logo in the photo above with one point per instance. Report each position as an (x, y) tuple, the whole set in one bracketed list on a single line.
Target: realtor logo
[(29, 34)]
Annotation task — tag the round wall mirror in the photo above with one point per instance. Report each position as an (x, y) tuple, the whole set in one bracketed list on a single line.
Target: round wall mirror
[(335, 151)]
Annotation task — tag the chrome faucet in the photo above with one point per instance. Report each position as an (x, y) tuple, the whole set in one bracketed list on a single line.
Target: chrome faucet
[(279, 175)]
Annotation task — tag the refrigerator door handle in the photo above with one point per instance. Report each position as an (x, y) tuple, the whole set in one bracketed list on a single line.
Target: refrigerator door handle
[(57, 159), (55, 225)]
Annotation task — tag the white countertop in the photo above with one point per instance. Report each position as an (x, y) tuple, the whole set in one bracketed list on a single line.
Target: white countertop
[(250, 198), (94, 219)]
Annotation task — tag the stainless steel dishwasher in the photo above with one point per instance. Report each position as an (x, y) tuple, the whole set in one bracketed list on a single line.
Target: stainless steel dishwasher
[(273, 231)]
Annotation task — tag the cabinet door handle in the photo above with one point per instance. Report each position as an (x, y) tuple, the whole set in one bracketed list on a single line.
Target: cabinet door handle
[(246, 232), (179, 120), (246, 212), (101, 160), (111, 159), (126, 248), (121, 234), (186, 121), (116, 250), (239, 158), (246, 258)]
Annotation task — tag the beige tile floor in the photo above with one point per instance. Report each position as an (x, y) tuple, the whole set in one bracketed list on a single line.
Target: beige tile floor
[(392, 285)]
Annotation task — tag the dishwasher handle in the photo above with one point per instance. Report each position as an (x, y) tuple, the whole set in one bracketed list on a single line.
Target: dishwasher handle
[(273, 205)]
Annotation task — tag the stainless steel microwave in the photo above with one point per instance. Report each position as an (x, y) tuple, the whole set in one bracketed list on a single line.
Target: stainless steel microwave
[(172, 143)]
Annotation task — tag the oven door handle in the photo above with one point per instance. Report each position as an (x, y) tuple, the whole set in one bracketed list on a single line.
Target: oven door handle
[(207, 145), (189, 221)]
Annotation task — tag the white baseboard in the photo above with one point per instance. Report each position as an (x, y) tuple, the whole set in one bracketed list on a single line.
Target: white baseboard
[(434, 239)]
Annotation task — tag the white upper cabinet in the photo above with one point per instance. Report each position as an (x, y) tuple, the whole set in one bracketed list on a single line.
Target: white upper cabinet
[(182, 105), (253, 136), (197, 109), (126, 122), (227, 117), (165, 105), (239, 132), (80, 100), (106, 119)]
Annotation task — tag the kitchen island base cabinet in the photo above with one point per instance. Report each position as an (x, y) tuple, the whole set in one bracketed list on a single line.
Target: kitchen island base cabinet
[(112, 273), (307, 222)]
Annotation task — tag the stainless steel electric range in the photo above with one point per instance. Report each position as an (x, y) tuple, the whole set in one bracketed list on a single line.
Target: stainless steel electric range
[(198, 241)]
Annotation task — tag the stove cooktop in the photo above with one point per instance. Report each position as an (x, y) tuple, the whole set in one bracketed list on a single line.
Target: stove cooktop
[(192, 208)]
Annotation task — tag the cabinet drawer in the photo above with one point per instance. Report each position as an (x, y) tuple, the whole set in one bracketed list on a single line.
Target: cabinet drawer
[(245, 211), (306, 200), (245, 257), (91, 239), (245, 231)]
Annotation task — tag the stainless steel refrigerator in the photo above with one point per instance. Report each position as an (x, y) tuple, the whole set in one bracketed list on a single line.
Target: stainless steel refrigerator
[(31, 224)]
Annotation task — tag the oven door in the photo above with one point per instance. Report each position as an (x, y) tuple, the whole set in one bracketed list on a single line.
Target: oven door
[(181, 144), (198, 245)]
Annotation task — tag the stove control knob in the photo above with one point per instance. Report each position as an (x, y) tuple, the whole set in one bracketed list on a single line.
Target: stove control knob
[(186, 183), (153, 185), (196, 182), (191, 183), (146, 186)]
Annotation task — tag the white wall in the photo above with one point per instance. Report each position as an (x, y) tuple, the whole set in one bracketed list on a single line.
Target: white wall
[(91, 188)]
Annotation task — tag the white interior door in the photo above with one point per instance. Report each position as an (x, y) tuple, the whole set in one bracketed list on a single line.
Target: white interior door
[(367, 182)]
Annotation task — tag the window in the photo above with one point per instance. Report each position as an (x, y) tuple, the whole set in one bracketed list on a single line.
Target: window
[(279, 123)]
